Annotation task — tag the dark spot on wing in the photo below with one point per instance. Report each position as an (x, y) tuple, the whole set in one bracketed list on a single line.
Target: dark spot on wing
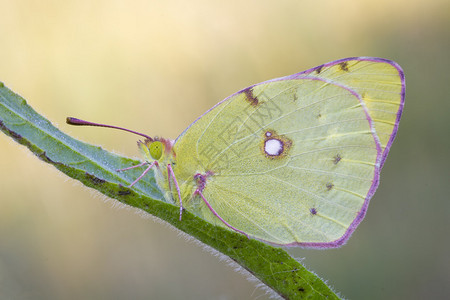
[(313, 211), (201, 180), (329, 185), (344, 66), (337, 159), (318, 69), (363, 95), (300, 289), (250, 97)]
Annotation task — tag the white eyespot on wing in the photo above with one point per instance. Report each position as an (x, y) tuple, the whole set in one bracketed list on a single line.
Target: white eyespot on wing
[(273, 147)]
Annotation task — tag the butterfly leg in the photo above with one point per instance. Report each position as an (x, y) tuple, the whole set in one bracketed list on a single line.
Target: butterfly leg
[(132, 167), (155, 163), (171, 174), (198, 192)]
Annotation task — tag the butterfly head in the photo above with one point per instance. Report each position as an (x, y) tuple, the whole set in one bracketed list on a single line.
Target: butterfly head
[(155, 148)]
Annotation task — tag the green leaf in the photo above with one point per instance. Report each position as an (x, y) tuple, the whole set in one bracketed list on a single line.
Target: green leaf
[(96, 168)]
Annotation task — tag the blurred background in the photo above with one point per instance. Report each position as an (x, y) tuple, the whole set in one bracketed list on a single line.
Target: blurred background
[(155, 66)]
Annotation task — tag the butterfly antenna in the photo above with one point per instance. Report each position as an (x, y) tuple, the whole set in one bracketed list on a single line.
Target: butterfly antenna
[(78, 122)]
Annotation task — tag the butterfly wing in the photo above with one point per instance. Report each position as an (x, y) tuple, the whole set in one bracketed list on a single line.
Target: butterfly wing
[(291, 161), (381, 85)]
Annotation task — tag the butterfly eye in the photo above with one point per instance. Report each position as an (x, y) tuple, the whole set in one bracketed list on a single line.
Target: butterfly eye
[(156, 149)]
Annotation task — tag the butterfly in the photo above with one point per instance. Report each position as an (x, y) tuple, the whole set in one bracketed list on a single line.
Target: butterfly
[(292, 161)]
